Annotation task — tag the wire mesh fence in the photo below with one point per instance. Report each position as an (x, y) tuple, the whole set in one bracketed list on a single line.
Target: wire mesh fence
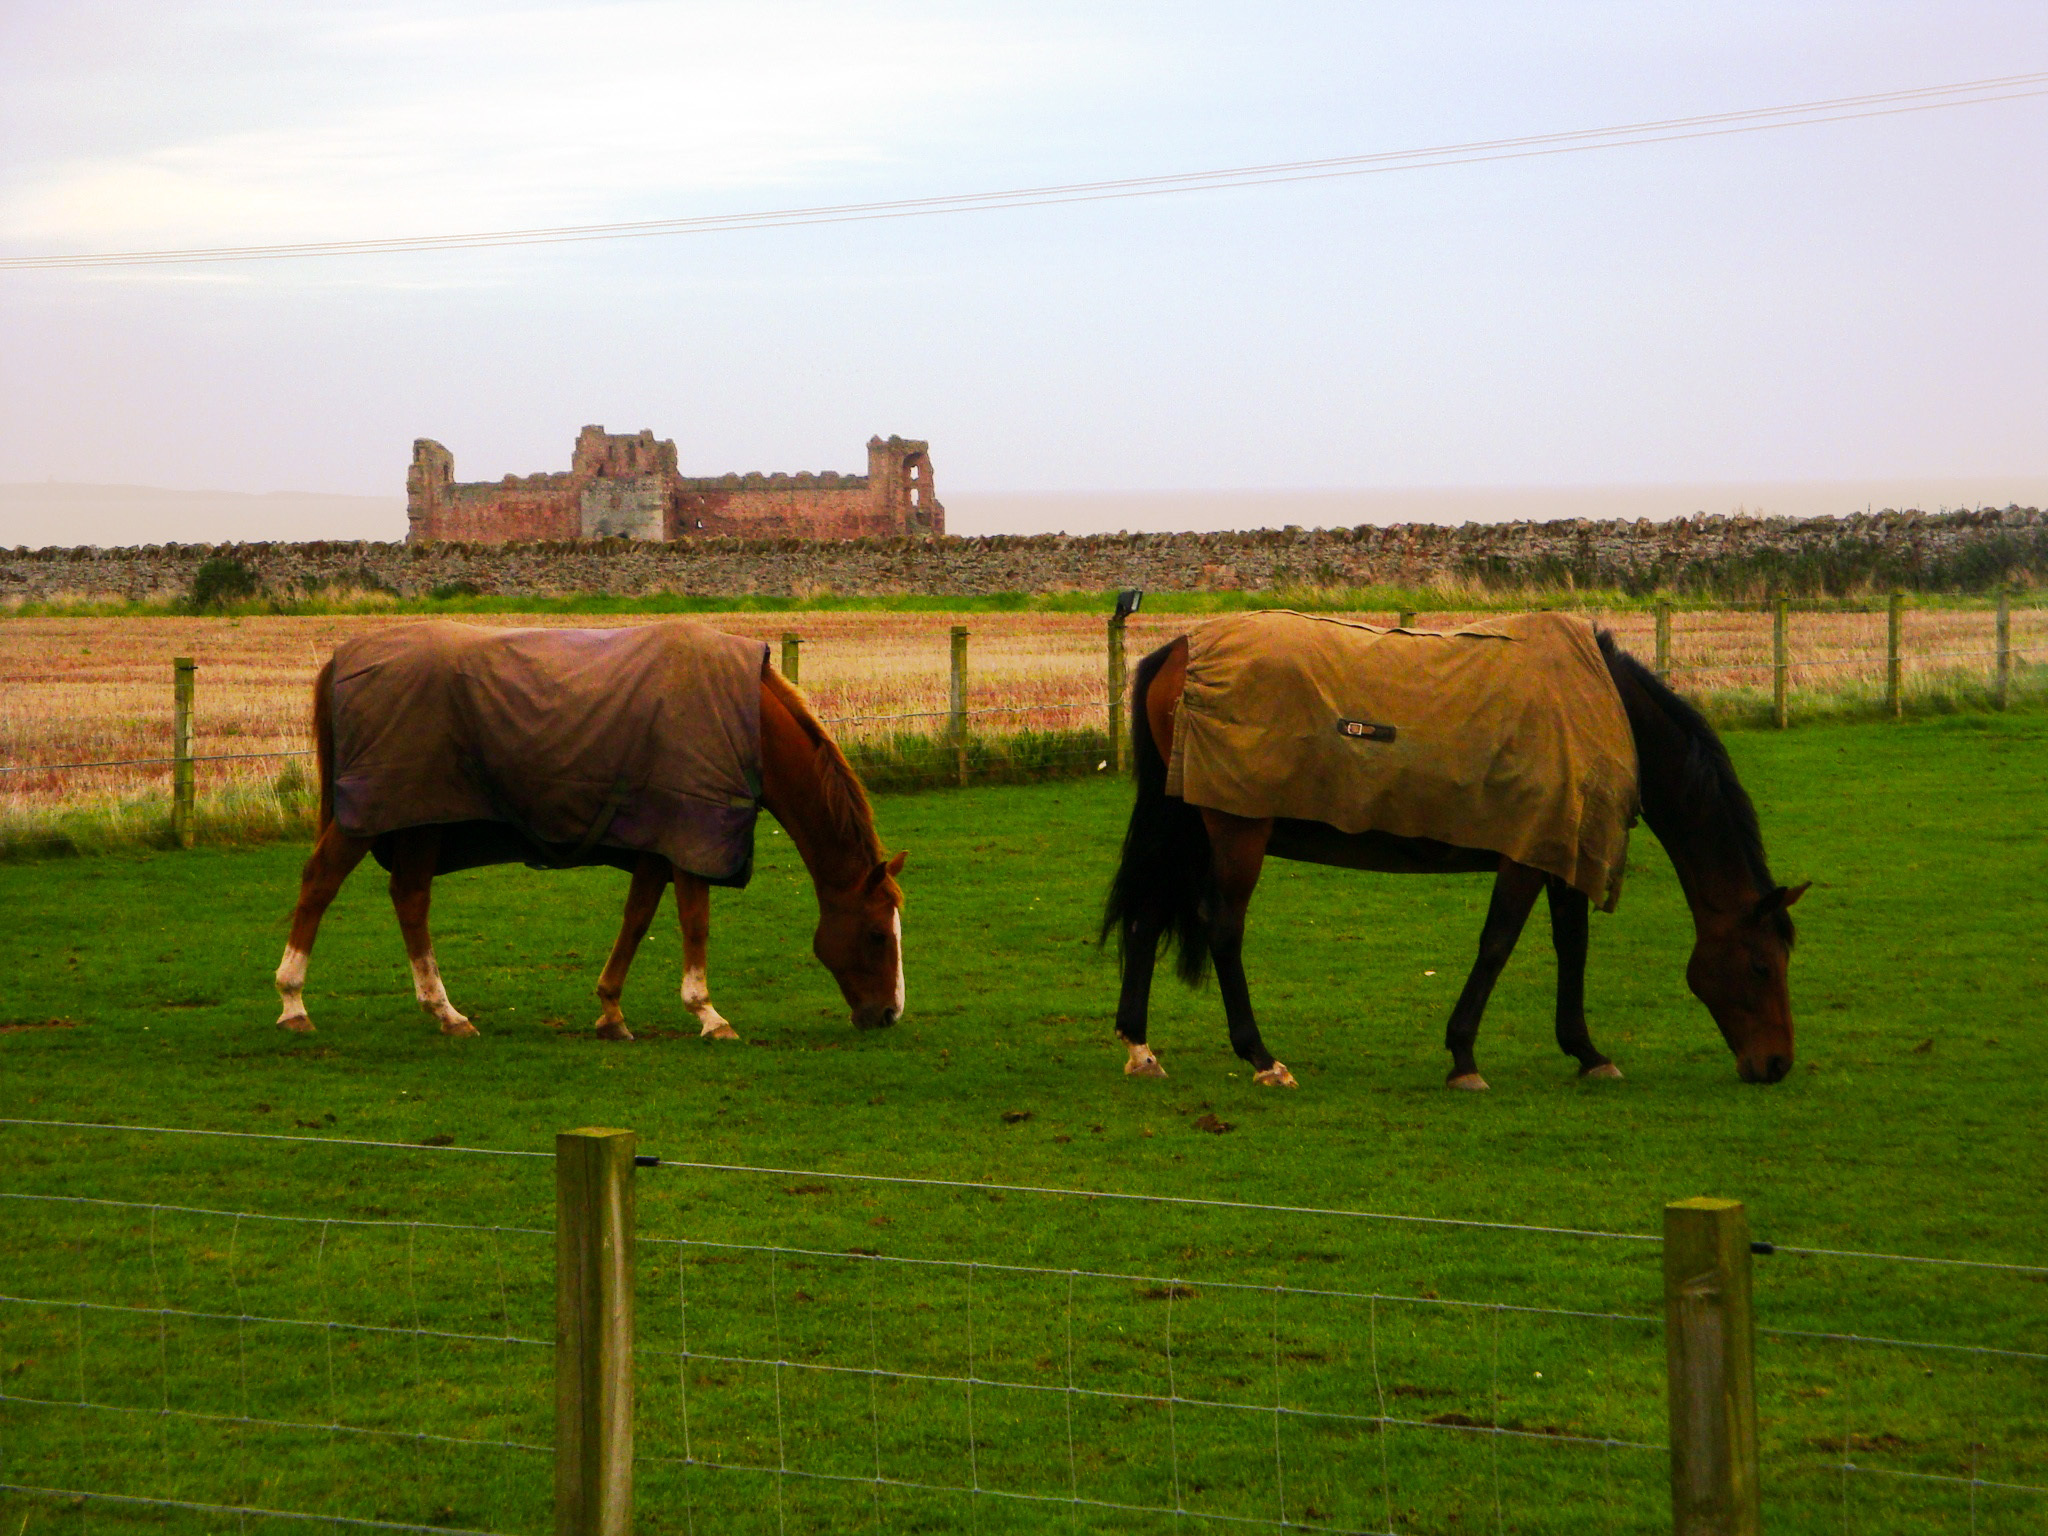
[(88, 726), (822, 1351)]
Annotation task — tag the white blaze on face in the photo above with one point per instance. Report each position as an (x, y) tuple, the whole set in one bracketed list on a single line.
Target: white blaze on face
[(897, 919)]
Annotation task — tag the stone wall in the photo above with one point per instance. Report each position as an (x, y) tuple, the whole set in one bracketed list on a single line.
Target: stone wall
[(1726, 556)]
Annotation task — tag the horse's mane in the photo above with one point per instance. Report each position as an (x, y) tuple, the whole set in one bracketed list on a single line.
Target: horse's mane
[(846, 803), (1707, 776)]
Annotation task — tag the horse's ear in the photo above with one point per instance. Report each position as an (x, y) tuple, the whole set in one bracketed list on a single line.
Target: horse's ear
[(885, 869), (1779, 899), (896, 866)]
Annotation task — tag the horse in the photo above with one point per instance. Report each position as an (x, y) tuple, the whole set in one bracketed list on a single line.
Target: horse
[(1187, 874), (805, 783)]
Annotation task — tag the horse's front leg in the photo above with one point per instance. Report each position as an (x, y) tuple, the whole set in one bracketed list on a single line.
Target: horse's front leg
[(693, 909), (1514, 893), (333, 858), (1238, 845), (414, 854), (1568, 934), (643, 899)]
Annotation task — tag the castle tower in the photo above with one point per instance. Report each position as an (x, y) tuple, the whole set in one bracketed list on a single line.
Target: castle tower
[(426, 488), (900, 486)]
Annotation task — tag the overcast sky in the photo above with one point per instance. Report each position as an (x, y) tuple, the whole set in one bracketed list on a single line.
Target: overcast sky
[(1850, 301)]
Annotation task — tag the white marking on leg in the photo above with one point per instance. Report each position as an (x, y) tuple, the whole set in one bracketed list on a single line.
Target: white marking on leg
[(426, 986), (291, 986), (897, 918), (1142, 1062), (697, 999)]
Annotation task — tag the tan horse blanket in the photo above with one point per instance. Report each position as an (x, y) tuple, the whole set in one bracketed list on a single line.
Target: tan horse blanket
[(554, 746), (1506, 736)]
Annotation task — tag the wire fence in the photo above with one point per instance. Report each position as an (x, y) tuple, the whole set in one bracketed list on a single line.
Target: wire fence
[(100, 750), (171, 1363)]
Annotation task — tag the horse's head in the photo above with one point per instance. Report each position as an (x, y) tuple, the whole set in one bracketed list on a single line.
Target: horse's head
[(1738, 970), (860, 941)]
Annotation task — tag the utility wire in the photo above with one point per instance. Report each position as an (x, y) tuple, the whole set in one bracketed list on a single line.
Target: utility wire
[(1666, 130)]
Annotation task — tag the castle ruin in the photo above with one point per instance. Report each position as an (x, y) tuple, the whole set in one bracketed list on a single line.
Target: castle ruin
[(622, 485)]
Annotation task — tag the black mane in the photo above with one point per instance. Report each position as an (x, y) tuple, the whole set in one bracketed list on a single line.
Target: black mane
[(1709, 781)]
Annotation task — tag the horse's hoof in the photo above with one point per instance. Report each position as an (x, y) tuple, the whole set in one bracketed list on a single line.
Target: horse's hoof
[(719, 1030), (1276, 1076), (1470, 1082), (457, 1026), (614, 1031), (297, 1023), (1607, 1071), (1143, 1063)]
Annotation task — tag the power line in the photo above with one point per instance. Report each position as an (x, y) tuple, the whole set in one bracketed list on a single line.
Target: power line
[(1528, 146)]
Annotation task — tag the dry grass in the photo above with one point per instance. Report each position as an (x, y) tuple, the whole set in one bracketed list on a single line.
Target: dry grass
[(84, 690)]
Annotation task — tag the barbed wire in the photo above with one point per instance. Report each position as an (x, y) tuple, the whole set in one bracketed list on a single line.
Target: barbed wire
[(1860, 1338), (287, 1424), (281, 1322), (1944, 1477)]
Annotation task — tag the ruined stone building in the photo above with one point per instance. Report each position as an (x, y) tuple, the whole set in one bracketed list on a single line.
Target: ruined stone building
[(627, 486)]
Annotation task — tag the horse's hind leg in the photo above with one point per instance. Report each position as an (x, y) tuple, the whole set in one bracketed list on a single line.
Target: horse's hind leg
[(1514, 893), (693, 911), (643, 899), (1568, 933), (334, 856), (414, 854), (1239, 845), (1142, 931)]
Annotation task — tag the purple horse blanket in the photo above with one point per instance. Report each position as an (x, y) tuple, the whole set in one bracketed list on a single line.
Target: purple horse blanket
[(553, 747)]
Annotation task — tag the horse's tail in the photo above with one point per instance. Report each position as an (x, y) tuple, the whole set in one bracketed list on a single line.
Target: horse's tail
[(323, 739), (1166, 880)]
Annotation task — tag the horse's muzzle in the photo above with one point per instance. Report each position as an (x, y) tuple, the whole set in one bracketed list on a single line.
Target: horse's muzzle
[(1770, 1069), (875, 1016)]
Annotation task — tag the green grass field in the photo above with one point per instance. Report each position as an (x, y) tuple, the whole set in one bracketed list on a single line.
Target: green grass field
[(137, 991)]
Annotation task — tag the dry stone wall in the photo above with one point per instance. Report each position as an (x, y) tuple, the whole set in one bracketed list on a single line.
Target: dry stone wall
[(1736, 556)]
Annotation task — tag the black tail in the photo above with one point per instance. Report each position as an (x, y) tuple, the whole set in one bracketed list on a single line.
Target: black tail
[(1166, 882)]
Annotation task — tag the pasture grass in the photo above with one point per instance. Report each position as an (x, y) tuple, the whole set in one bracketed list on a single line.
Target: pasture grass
[(137, 991)]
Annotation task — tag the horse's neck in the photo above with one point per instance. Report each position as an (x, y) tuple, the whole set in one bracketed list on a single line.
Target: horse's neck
[(794, 796), (1704, 853)]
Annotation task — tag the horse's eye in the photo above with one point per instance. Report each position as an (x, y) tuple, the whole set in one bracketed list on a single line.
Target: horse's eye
[(1760, 969)]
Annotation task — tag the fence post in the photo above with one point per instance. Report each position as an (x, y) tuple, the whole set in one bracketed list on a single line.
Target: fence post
[(1710, 1369), (182, 670), (1116, 693), (956, 703), (792, 655), (1781, 666), (1894, 705), (1407, 618), (2004, 646), (594, 1332), (1664, 642)]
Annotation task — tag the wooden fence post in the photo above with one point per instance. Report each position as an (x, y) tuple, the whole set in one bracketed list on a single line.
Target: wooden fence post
[(1781, 665), (792, 655), (1664, 643), (182, 670), (1710, 1368), (594, 1332), (1407, 618), (1116, 693), (956, 704), (2004, 646), (1894, 704)]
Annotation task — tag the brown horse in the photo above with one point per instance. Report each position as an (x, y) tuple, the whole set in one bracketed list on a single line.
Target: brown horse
[(806, 784), (1188, 872)]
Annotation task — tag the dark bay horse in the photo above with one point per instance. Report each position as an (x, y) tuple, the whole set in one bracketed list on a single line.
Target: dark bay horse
[(1188, 872), (806, 784)]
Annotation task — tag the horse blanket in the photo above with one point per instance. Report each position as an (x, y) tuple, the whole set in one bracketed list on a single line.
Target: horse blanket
[(1507, 736), (553, 746)]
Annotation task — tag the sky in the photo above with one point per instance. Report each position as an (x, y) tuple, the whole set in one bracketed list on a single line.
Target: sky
[(1857, 301)]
